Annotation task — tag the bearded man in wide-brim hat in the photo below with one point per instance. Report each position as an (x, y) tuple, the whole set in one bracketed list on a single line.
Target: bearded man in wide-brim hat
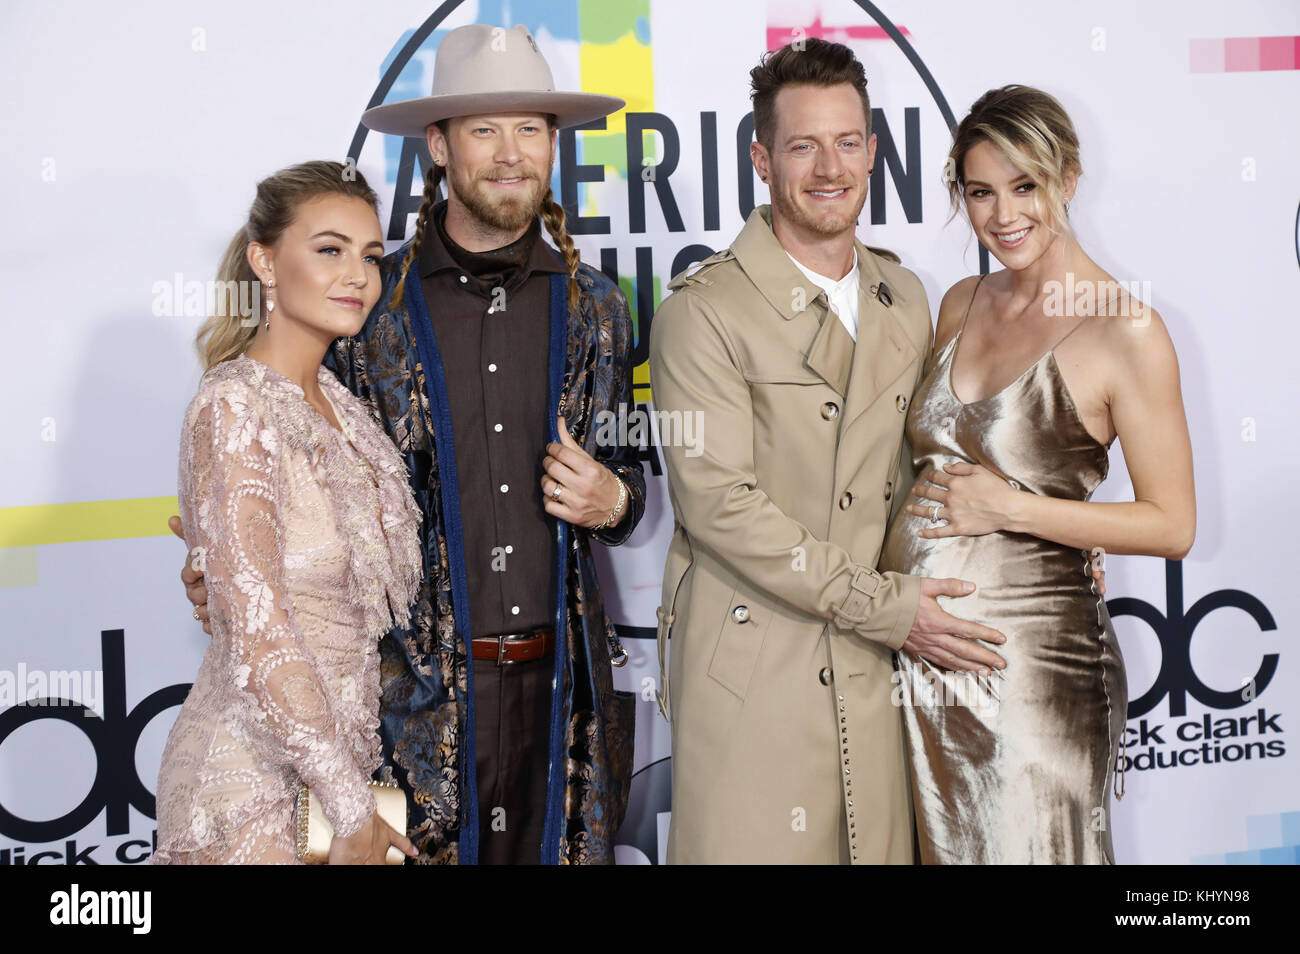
[(488, 359)]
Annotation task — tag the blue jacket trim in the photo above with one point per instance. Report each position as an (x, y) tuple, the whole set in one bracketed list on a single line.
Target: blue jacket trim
[(445, 449)]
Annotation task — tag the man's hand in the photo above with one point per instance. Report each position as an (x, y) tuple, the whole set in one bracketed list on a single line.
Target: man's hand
[(369, 846), (588, 491), (1097, 569), (946, 640), (191, 576)]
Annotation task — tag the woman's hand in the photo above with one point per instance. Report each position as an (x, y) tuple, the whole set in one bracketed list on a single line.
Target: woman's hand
[(369, 846), (973, 500)]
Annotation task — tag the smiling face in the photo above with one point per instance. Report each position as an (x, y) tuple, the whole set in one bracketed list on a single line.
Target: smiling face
[(325, 266), (1005, 206), (820, 159), (498, 166)]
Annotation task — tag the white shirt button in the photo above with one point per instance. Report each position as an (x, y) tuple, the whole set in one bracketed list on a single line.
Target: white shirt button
[(463, 279), (492, 310), (492, 368), (510, 549), (505, 488), (497, 428), (514, 611)]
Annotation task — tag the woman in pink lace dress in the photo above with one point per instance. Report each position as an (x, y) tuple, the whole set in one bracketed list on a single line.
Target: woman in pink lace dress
[(299, 510)]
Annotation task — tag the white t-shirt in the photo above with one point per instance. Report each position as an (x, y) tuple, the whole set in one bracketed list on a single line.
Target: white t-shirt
[(842, 294)]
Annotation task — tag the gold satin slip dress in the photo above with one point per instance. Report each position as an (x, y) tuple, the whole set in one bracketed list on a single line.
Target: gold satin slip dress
[(1014, 768)]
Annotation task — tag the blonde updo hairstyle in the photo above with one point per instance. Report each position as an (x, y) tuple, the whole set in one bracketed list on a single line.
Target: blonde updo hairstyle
[(227, 332), (1034, 132)]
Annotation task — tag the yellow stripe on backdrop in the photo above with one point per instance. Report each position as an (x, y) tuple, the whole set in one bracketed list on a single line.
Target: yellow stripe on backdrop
[(90, 520)]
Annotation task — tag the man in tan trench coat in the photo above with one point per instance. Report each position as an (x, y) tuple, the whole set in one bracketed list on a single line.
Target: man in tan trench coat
[(786, 747)]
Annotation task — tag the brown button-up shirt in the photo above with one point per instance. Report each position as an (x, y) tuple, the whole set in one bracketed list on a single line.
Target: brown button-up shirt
[(491, 315)]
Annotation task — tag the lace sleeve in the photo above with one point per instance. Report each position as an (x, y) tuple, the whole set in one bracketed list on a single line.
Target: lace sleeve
[(232, 493)]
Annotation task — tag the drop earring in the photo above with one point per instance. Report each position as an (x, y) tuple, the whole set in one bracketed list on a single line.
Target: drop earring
[(270, 305)]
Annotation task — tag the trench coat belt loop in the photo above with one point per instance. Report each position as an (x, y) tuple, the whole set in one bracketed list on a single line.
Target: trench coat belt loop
[(665, 624)]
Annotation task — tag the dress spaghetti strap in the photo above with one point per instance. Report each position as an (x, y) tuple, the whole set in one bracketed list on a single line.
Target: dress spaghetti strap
[(952, 346), (1061, 340), (975, 292)]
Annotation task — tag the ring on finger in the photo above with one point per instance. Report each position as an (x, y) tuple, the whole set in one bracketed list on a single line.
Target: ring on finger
[(559, 489), (934, 514), (196, 614)]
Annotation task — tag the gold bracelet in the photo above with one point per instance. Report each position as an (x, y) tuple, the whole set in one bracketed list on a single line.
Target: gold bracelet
[(622, 499)]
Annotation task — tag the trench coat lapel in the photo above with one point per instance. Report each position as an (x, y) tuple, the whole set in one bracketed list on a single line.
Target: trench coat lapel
[(831, 352), (798, 301), (883, 350)]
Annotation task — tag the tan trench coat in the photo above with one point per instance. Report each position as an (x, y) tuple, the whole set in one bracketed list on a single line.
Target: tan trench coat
[(786, 747)]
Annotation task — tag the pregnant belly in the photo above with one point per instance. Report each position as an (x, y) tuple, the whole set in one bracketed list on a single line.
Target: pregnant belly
[(1037, 593)]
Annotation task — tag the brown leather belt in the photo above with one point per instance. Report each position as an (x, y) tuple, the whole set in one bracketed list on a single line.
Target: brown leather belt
[(513, 647)]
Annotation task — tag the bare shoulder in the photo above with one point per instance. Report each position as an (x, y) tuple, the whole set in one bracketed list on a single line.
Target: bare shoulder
[(1132, 333), (952, 309)]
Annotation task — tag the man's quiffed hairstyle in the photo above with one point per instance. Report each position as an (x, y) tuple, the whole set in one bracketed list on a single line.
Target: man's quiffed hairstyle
[(818, 63)]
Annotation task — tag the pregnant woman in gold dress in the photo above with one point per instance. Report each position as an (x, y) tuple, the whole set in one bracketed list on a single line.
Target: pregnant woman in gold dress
[(1036, 369)]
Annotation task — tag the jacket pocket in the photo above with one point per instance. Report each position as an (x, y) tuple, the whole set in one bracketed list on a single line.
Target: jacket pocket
[(741, 640)]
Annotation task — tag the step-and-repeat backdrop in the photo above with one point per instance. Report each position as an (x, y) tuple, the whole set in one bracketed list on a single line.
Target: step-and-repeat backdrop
[(136, 135)]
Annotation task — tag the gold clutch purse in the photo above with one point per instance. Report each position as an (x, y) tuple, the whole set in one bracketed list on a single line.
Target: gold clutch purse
[(315, 831)]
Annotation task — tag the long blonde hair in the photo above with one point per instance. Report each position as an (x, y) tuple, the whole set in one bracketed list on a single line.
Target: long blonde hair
[(229, 330), (1034, 131)]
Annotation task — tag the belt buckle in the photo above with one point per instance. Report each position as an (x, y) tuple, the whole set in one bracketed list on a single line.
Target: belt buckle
[(501, 648)]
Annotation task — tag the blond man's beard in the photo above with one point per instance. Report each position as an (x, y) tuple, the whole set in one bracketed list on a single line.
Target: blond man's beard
[(506, 215)]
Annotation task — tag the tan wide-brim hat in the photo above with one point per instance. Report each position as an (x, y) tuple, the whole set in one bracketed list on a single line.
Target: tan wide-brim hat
[(485, 69)]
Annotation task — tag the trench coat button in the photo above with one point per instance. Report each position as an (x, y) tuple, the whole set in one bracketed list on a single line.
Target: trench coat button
[(889, 489), (830, 411), (740, 614), (846, 501), (825, 675), (901, 402)]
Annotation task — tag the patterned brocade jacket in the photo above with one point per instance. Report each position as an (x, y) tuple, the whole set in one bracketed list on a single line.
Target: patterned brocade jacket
[(426, 711)]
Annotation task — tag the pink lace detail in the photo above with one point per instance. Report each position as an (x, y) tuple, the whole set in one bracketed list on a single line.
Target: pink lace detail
[(308, 539)]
